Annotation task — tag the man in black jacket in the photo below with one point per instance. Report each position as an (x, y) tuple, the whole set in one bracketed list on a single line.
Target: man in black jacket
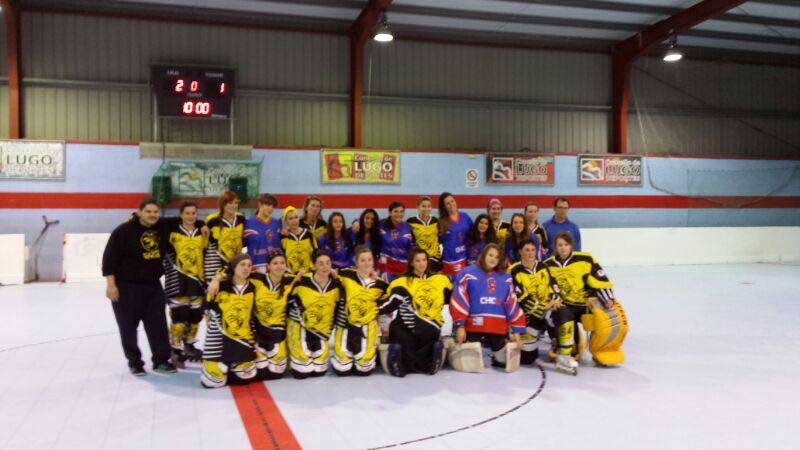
[(132, 265)]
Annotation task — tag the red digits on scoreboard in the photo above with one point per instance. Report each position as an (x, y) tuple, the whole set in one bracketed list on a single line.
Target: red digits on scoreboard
[(179, 85), (193, 86), (191, 108), (202, 108), (222, 88)]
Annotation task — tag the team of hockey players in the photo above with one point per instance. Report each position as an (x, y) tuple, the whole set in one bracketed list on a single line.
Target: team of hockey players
[(308, 293)]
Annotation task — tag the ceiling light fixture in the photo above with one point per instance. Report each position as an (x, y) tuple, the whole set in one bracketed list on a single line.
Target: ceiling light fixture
[(673, 54), (384, 34)]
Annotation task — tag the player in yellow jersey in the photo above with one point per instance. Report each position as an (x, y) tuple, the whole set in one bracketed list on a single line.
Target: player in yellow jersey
[(312, 306), (587, 292), (269, 321), (185, 283), (227, 230), (544, 311), (229, 353), (418, 296), (357, 334), (425, 229), (298, 243)]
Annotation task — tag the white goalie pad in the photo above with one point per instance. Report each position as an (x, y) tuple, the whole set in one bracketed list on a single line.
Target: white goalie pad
[(467, 357)]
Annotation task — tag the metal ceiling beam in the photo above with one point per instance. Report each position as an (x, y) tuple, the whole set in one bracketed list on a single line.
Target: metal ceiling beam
[(361, 30), (577, 23), (13, 64), (625, 53), (667, 11)]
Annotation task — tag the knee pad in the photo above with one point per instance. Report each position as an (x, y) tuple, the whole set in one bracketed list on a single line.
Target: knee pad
[(195, 315), (530, 346), (566, 337), (214, 374), (608, 329), (180, 313), (466, 357)]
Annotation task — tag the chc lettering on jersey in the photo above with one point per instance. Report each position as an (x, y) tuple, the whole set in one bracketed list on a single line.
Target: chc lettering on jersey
[(37, 160), (488, 300)]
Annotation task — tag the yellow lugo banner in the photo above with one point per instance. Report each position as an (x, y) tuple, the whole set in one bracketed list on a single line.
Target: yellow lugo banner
[(360, 166)]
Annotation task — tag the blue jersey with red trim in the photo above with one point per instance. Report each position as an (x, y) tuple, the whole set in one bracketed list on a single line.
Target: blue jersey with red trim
[(395, 244), (340, 253), (486, 303), (454, 240), (261, 238)]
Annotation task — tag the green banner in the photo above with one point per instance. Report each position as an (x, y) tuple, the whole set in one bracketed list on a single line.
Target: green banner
[(209, 179)]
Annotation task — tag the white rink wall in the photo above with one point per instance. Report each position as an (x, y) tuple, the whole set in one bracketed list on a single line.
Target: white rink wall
[(696, 245), (12, 258), (611, 246)]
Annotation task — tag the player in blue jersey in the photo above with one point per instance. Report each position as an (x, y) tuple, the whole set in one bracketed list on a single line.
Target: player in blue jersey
[(336, 242), (454, 227), (262, 233)]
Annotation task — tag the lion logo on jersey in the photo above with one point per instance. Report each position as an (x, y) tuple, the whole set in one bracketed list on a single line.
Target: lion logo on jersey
[(425, 303), (230, 242), (359, 309), (235, 321), (189, 258), (318, 315), (150, 245)]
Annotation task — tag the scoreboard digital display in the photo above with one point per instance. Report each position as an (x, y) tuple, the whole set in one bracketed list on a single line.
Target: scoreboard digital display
[(188, 91)]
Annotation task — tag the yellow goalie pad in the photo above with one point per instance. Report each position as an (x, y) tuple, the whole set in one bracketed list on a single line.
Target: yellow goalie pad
[(608, 328)]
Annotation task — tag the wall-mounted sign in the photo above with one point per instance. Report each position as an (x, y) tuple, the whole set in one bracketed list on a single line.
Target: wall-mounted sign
[(209, 179), (360, 167), (472, 178), (608, 170), (520, 168), (32, 160)]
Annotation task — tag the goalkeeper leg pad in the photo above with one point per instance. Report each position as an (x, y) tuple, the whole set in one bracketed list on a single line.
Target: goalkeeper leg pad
[(608, 329), (467, 357)]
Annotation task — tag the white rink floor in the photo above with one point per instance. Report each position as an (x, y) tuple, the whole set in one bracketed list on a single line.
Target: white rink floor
[(712, 364)]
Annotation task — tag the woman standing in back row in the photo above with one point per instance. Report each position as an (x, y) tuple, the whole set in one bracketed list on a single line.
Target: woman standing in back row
[(454, 228)]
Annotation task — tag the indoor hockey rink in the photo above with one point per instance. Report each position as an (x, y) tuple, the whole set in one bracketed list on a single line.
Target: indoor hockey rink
[(709, 365)]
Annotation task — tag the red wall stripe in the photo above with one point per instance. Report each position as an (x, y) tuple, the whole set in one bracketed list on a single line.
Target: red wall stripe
[(266, 428), (100, 200)]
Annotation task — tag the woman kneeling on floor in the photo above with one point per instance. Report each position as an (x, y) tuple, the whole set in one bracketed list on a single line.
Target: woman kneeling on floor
[(418, 296), (229, 354), (484, 307)]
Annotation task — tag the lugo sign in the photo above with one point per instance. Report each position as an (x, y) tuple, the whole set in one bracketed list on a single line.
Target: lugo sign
[(32, 160)]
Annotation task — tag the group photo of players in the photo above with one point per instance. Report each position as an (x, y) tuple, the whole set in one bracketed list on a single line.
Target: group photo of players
[(287, 291)]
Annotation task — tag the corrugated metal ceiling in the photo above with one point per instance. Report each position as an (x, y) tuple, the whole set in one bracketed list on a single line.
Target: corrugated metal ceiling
[(766, 26)]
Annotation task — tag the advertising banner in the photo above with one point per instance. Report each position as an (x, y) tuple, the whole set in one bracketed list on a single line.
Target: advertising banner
[(32, 160), (608, 170), (520, 168), (360, 166)]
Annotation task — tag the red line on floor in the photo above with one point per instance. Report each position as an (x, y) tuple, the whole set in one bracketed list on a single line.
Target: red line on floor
[(265, 425)]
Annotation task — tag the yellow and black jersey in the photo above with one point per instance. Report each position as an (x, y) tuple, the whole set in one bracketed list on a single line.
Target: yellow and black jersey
[(318, 229), (224, 242), (418, 300), (534, 287), (361, 296), (314, 306), (426, 235), (183, 265), (502, 231), (230, 336), (298, 249), (579, 277), (271, 299)]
